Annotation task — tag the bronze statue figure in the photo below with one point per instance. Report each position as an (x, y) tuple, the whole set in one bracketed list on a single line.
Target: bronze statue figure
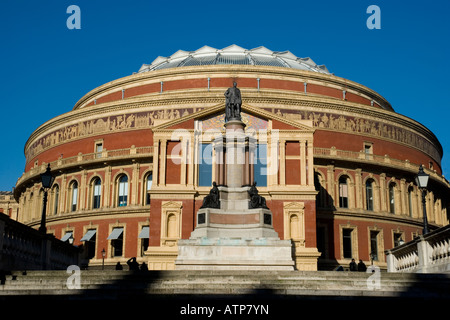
[(233, 102), (256, 201), (212, 200)]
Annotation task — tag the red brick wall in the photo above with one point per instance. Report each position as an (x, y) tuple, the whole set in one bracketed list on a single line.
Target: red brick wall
[(111, 141), (228, 82), (355, 143)]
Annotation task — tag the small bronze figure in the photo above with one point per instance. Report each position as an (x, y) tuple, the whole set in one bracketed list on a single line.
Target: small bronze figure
[(256, 201), (233, 102), (212, 200)]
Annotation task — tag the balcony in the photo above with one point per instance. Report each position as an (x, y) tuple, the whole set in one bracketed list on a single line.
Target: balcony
[(372, 159), (87, 159), (24, 248), (429, 253)]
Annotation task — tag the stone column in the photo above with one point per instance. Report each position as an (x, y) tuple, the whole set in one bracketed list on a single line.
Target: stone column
[(246, 172), (330, 186), (310, 162), (156, 163), (383, 201), (282, 166), (251, 167), (84, 201), (359, 188), (302, 162), (403, 197), (235, 145), (162, 173)]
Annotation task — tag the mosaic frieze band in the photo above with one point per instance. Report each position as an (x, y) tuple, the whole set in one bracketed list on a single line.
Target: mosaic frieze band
[(353, 124), (320, 120)]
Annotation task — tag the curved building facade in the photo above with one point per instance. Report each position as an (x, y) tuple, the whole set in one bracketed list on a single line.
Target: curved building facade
[(134, 159)]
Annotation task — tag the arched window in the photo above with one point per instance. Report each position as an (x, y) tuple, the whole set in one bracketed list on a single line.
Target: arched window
[(74, 197), (148, 186), (123, 191), (369, 194), (392, 197), (97, 193), (343, 192), (55, 199)]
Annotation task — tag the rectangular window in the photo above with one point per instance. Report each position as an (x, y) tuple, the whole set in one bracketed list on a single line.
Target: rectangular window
[(398, 239), (391, 198), (116, 238), (343, 193), (205, 165), (74, 196), (347, 243), (123, 191), (148, 188), (98, 149), (369, 195), (144, 236), (368, 150), (374, 245), (97, 194), (89, 239), (260, 165)]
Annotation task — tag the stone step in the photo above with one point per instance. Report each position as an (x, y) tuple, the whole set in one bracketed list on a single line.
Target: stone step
[(222, 282)]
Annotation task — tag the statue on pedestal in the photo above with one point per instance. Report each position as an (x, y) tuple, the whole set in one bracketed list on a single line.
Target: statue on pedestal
[(256, 201), (233, 102), (212, 200)]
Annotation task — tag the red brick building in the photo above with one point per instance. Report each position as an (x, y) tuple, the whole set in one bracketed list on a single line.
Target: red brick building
[(134, 159)]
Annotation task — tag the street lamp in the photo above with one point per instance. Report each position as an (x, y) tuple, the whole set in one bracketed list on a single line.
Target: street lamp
[(422, 182), (47, 180), (103, 258)]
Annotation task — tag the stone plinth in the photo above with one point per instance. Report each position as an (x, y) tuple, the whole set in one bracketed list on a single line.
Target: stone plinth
[(217, 223), (234, 254), (237, 235)]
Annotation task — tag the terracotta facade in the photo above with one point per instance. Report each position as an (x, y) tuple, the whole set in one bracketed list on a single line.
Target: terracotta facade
[(340, 166)]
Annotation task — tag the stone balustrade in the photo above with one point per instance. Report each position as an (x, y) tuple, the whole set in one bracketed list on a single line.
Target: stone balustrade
[(88, 158), (24, 248), (428, 253)]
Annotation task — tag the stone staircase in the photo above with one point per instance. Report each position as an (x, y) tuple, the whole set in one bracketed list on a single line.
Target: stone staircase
[(116, 285)]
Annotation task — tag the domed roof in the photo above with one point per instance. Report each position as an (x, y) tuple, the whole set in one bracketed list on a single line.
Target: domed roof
[(234, 54)]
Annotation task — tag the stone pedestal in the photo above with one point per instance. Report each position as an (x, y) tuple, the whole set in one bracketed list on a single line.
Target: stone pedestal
[(234, 235), (234, 254)]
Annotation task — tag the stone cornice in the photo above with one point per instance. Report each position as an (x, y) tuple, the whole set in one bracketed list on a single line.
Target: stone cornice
[(234, 71), (382, 217), (97, 214)]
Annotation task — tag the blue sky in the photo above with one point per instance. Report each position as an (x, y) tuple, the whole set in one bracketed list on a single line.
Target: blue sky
[(46, 68)]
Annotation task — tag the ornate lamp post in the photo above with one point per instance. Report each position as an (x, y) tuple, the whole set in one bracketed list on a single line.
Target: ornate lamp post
[(47, 180), (422, 182)]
